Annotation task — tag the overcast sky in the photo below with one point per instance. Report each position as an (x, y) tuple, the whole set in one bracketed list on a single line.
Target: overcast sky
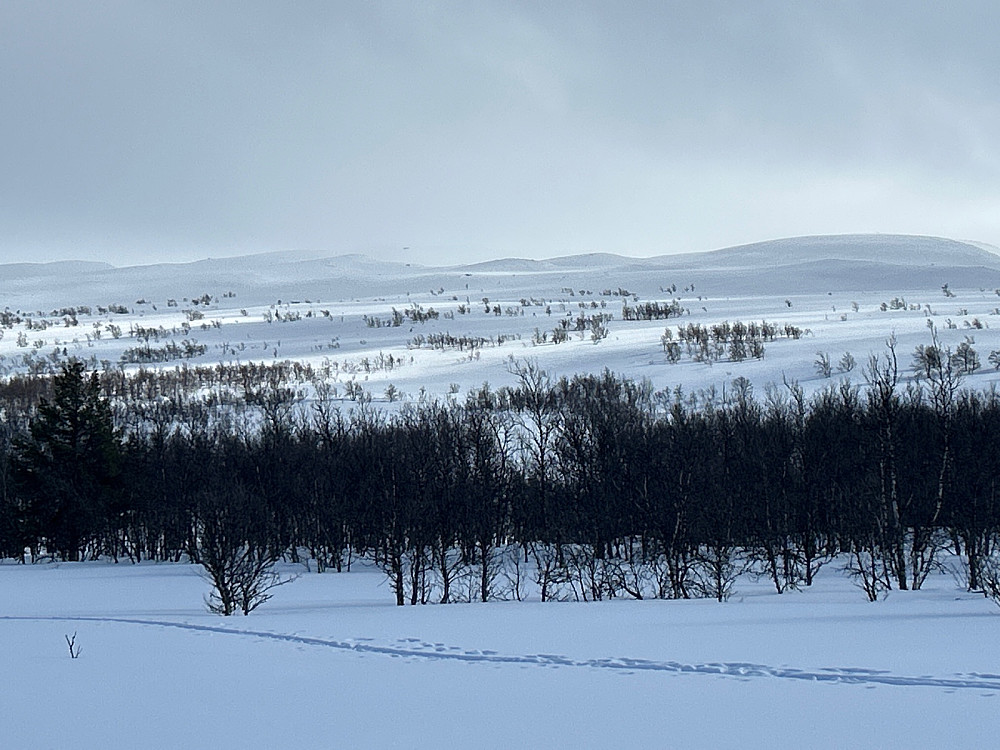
[(156, 131)]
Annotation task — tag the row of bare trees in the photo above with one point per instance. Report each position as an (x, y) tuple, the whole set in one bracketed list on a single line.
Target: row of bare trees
[(586, 488)]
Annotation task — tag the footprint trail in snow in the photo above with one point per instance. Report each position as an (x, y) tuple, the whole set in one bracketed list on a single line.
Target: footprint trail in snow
[(415, 648)]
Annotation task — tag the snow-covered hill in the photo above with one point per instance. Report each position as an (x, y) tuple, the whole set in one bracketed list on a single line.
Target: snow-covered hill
[(788, 266), (846, 294), (891, 249)]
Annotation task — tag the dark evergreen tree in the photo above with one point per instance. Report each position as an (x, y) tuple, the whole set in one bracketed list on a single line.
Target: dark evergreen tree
[(67, 468)]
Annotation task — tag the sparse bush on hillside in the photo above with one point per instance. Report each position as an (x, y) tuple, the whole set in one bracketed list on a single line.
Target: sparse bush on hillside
[(822, 364), (169, 352), (927, 359), (653, 311), (965, 360)]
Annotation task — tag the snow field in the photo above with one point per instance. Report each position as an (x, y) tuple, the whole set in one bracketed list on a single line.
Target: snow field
[(329, 661)]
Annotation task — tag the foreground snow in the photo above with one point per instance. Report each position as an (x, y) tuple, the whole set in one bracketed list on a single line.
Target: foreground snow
[(329, 662)]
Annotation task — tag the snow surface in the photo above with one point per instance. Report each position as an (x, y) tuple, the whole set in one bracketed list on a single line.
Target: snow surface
[(330, 662)]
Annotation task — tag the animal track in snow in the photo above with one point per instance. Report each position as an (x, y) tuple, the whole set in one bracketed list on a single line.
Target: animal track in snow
[(415, 648)]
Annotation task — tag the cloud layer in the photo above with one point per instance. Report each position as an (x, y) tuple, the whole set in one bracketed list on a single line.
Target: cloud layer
[(137, 131)]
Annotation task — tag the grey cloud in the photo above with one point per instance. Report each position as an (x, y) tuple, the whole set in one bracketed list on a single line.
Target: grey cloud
[(189, 129)]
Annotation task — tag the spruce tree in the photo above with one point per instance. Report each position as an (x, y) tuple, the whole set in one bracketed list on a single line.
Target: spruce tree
[(67, 467)]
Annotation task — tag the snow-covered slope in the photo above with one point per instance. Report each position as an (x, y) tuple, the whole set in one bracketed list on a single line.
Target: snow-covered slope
[(788, 266), (844, 263), (891, 249), (847, 294)]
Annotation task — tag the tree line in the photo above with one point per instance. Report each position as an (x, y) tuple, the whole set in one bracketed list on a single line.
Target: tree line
[(588, 487)]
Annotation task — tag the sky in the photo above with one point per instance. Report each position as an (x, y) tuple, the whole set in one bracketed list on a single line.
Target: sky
[(447, 132)]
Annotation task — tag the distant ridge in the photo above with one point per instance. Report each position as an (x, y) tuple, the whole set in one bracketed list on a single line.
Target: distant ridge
[(823, 263), (508, 265), (893, 249), (896, 249), (54, 268)]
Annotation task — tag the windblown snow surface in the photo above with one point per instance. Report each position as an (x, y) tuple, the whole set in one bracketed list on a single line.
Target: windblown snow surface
[(330, 662)]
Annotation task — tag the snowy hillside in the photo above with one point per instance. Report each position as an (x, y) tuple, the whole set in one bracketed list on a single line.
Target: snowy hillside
[(898, 250), (845, 294), (905, 262)]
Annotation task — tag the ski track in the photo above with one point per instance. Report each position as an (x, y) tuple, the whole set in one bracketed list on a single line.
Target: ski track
[(438, 651)]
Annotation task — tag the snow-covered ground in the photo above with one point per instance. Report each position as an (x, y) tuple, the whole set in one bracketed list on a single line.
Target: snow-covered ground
[(330, 662)]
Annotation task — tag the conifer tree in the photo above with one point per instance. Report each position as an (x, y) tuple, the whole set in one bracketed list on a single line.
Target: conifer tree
[(67, 467)]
